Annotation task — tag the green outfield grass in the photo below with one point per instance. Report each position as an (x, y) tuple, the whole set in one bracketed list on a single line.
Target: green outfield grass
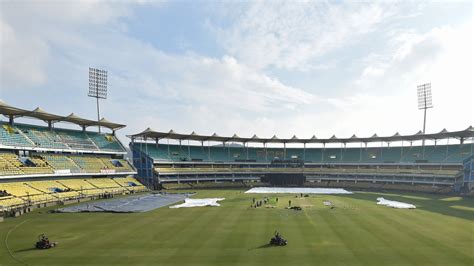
[(357, 232)]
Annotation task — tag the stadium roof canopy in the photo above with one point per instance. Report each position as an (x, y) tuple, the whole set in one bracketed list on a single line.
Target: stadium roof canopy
[(150, 134), (38, 113)]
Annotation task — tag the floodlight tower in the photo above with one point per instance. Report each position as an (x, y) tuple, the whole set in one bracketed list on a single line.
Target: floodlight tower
[(97, 87), (425, 101)]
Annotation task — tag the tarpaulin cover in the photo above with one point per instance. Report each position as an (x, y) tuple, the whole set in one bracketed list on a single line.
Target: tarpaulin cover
[(188, 203), (136, 203), (299, 190), (395, 204)]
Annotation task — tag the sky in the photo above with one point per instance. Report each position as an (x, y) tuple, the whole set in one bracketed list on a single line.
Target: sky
[(257, 67)]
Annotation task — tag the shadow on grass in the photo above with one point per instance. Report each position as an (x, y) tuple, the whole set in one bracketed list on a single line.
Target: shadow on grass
[(262, 246), (25, 250), (265, 246)]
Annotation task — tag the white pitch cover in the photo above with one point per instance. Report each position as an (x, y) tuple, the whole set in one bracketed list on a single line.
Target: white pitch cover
[(188, 203), (297, 190), (395, 204)]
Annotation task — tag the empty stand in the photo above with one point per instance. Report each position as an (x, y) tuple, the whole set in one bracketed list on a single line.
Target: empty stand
[(11, 164), (42, 137), (89, 163), (11, 136), (34, 192), (434, 154), (7, 166), (60, 162), (105, 142), (20, 135), (9, 201), (27, 193), (46, 163), (408, 166), (130, 183), (35, 165), (76, 140)]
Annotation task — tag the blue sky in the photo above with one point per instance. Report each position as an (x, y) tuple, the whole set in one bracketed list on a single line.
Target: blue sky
[(285, 68)]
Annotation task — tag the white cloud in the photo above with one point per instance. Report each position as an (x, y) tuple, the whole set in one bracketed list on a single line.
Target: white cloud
[(191, 91), (291, 35), (234, 93), (29, 30), (21, 59), (442, 56), (62, 13)]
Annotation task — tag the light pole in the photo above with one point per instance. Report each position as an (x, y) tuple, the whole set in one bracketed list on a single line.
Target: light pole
[(425, 101), (97, 87)]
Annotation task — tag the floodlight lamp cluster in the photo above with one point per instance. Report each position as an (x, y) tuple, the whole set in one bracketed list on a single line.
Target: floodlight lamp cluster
[(97, 83), (425, 98)]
